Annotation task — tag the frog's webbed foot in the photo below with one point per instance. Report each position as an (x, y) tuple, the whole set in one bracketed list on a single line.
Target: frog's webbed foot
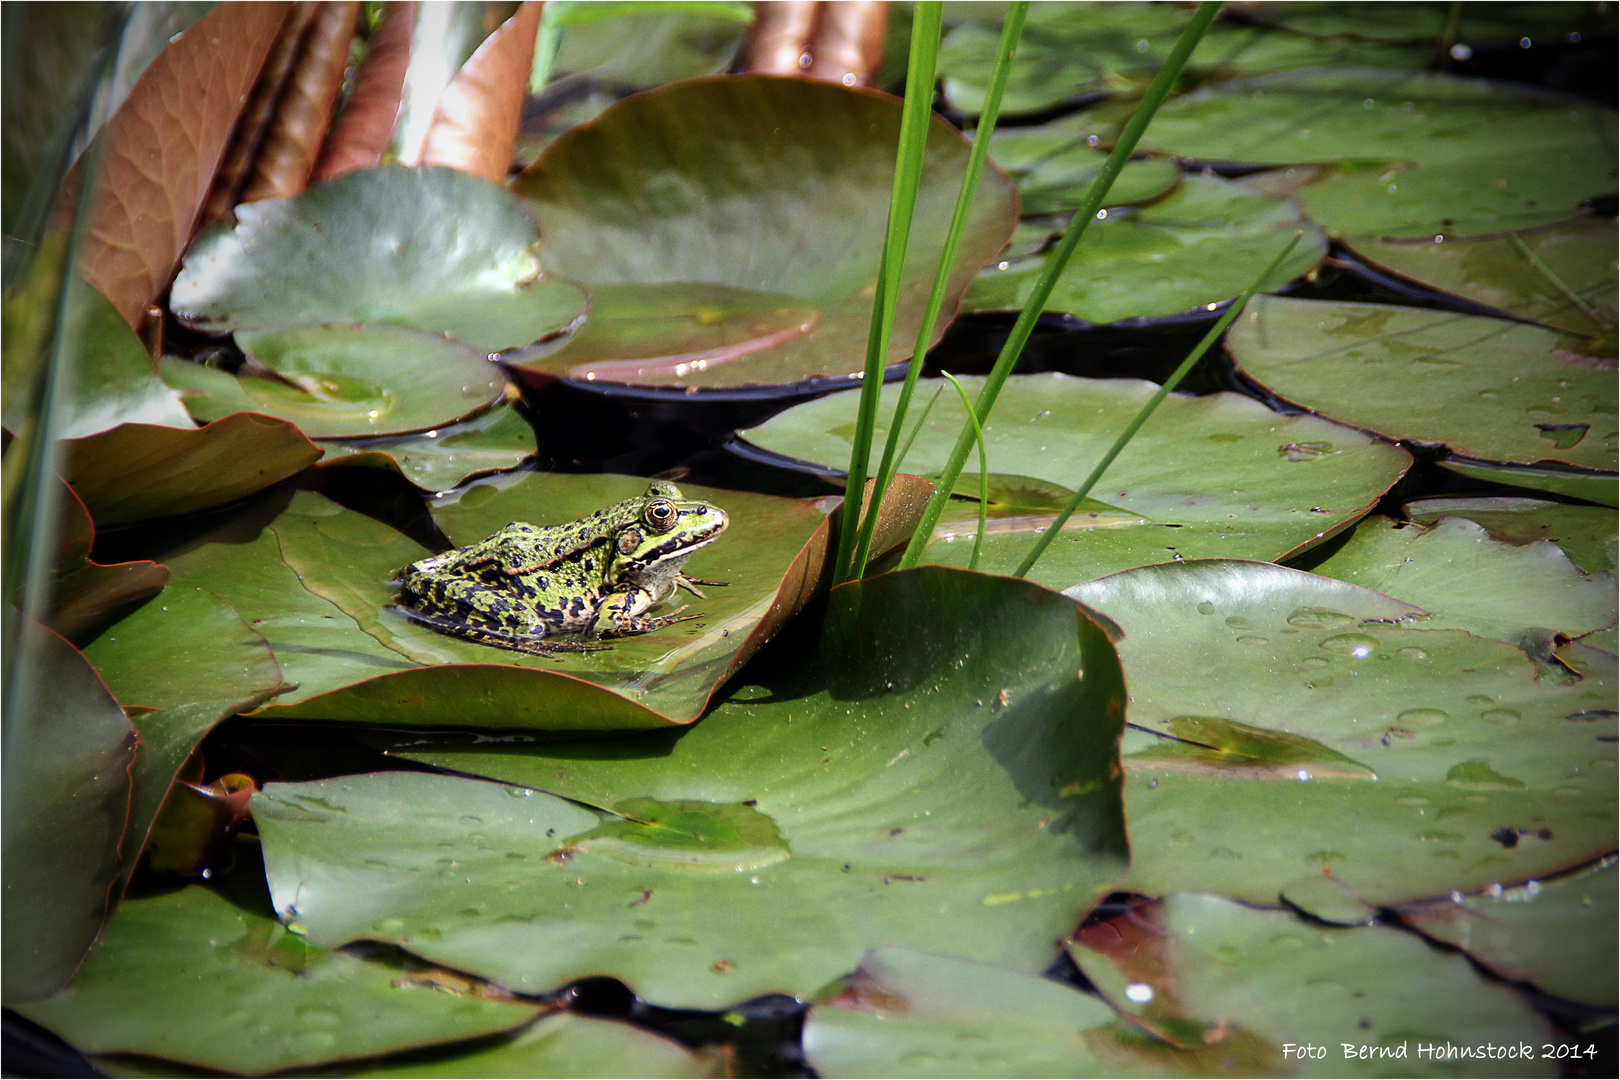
[(623, 624), (690, 584)]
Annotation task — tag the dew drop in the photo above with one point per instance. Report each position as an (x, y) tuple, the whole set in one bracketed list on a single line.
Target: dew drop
[(1411, 652), (1359, 646), (1418, 719), (1252, 639), (1480, 699), (1206, 608), (1141, 993), (520, 792), (1500, 716), (1317, 661), (1311, 618), (1238, 622)]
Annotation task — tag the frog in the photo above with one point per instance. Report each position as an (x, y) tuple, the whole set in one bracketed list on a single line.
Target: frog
[(547, 589)]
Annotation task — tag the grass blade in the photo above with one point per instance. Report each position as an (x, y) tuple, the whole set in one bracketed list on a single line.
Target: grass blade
[(914, 121), (1054, 266), (1011, 30), (1214, 335), (984, 470)]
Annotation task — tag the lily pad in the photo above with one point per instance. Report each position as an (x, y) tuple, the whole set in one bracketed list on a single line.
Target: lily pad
[(1266, 485), (934, 769), (344, 381), (1425, 22), (136, 472), (1558, 935), (635, 46), (563, 1044), (638, 333), (1470, 582), (909, 1013), (433, 249), (1206, 971), (444, 457), (1494, 271), (1466, 745), (762, 184), (191, 976), (318, 583), (188, 657), (1201, 245), (1485, 388), (1587, 534), (113, 382), (1054, 165), (1597, 487), (1416, 154), (1074, 49), (86, 592)]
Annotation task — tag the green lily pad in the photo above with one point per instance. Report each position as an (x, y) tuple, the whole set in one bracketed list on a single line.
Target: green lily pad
[(136, 472), (68, 753), (1366, 1000), (1470, 582), (935, 770), (1329, 900), (1415, 154), (1199, 246), (444, 457), (638, 333), (85, 592), (635, 46), (1070, 49), (113, 382), (190, 658), (764, 184), (1265, 484), (1425, 22), (1054, 164), (1558, 935), (1596, 487), (318, 583), (433, 249), (1494, 271), (563, 1044), (191, 976), (1586, 534), (345, 381), (1486, 388), (1470, 751), (909, 1013)]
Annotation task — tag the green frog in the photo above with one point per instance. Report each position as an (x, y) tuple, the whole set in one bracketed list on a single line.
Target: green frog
[(597, 577)]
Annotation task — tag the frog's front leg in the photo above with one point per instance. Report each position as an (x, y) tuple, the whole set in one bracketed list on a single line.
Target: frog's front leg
[(623, 611), (690, 584)]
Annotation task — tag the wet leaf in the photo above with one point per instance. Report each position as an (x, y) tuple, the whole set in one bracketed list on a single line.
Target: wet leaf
[(442, 458), (1423, 23), (909, 1013), (1485, 388), (433, 249), (189, 657), (86, 592), (1265, 484), (113, 381), (193, 831), (1470, 582), (1494, 271), (762, 184), (1585, 533), (1596, 487), (1463, 739), (137, 472), (638, 46), (564, 1044), (1417, 154), (191, 976), (1558, 935), (1201, 245), (345, 381), (937, 773), (1200, 964), (1053, 165), (68, 753)]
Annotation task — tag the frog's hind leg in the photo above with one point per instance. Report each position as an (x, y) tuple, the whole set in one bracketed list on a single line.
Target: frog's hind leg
[(533, 646)]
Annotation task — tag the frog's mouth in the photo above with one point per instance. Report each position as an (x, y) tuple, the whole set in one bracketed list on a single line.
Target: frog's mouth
[(683, 545)]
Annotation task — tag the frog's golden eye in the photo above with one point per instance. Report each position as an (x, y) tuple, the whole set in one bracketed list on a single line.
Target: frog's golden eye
[(660, 515)]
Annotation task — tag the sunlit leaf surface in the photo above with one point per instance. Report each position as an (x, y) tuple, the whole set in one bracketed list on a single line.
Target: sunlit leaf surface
[(1587, 534), (442, 458), (1265, 484), (762, 184), (932, 773), (1483, 774), (1485, 388)]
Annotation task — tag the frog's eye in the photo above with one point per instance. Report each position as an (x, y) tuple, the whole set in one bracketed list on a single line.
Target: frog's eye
[(660, 515)]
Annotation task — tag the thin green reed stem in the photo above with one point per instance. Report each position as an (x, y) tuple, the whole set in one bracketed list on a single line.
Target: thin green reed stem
[(1055, 264), (984, 471), (914, 120), (1214, 335), (1011, 29)]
